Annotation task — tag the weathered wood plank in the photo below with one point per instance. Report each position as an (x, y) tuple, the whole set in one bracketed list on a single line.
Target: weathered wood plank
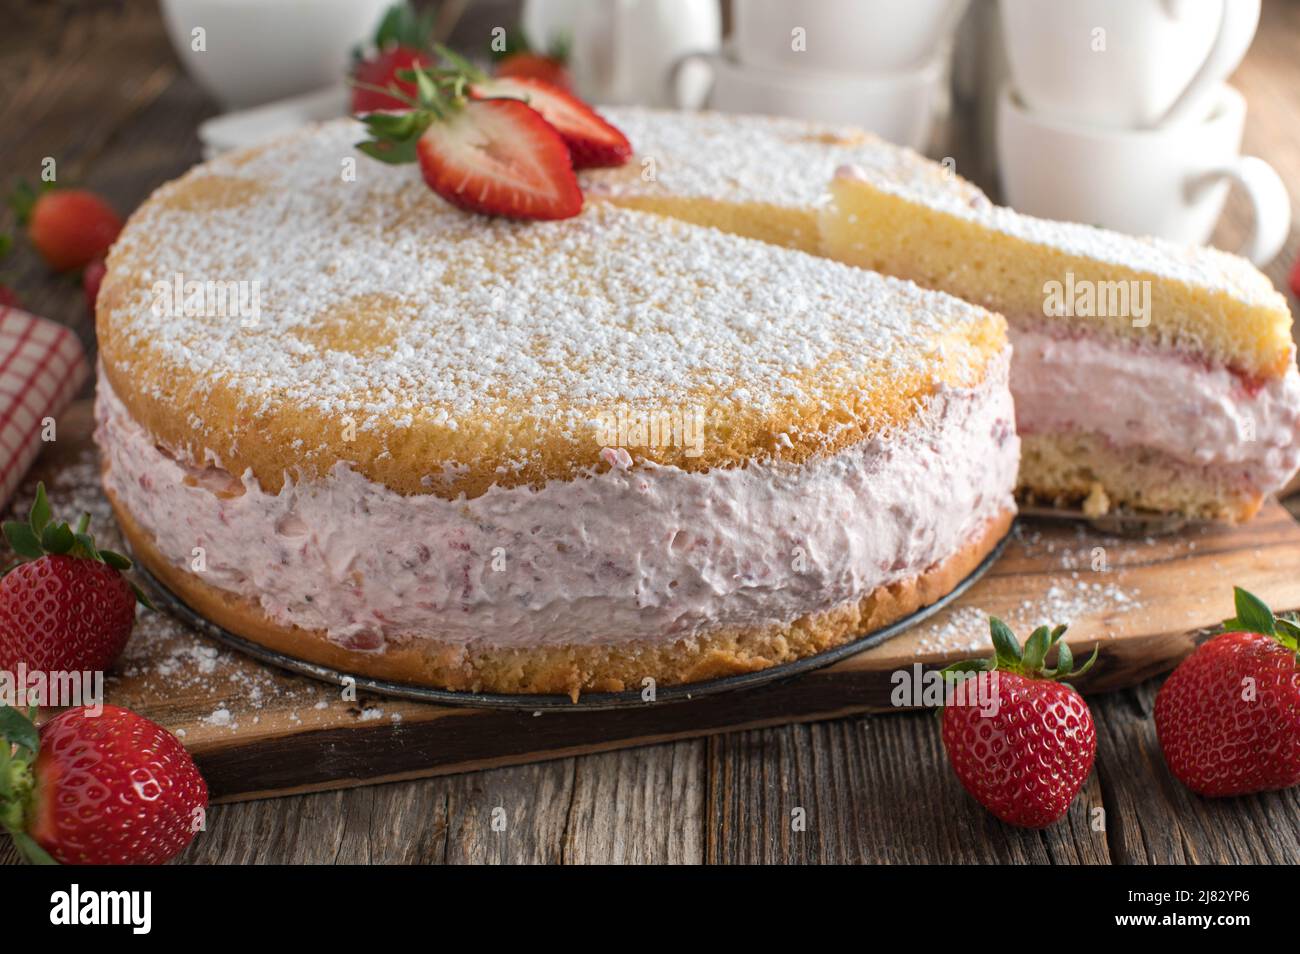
[(637, 806), (1153, 819), (873, 790)]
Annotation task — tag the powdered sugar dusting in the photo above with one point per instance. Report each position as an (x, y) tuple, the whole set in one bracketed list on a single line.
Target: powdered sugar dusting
[(1088, 583), (767, 159), (380, 301)]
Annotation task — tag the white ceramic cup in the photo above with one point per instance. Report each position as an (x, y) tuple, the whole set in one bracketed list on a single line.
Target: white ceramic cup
[(1125, 63), (841, 36), (899, 107), (621, 51), (1169, 182), (255, 51)]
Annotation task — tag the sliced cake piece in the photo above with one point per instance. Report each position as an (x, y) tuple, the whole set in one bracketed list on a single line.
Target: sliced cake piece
[(758, 176), (1145, 374)]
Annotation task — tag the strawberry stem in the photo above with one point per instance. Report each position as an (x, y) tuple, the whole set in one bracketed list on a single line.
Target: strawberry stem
[(1254, 616), (21, 201), (19, 743), (1031, 660), (393, 133), (460, 67), (403, 26), (30, 850)]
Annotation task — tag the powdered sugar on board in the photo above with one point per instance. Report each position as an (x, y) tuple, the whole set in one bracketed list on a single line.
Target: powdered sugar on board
[(1089, 582), (966, 629)]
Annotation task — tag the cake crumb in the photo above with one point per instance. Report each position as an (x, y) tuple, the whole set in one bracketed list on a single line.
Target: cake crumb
[(1097, 504)]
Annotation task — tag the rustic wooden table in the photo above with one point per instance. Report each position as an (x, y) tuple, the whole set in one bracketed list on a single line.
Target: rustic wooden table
[(94, 85)]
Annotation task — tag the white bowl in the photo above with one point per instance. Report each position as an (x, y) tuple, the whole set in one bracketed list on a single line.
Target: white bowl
[(254, 51)]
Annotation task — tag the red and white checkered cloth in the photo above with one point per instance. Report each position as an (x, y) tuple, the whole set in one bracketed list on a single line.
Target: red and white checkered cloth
[(42, 365)]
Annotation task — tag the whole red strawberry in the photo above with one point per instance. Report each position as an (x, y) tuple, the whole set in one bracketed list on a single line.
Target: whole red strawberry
[(68, 608), (400, 43), (69, 227), (1295, 277), (1021, 742), (110, 788), (381, 70), (1228, 718)]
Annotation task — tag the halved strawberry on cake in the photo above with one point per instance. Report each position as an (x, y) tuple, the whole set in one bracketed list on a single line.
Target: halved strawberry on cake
[(1145, 374)]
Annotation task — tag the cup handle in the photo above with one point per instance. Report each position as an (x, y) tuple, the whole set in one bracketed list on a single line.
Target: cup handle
[(675, 94), (1237, 25), (1268, 199)]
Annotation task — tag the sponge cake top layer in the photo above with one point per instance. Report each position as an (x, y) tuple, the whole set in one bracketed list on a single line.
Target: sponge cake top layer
[(298, 305)]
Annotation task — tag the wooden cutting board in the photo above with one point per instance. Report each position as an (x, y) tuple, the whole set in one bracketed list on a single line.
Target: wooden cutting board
[(258, 731)]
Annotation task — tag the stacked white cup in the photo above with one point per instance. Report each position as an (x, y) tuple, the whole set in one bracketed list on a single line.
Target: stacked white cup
[(1118, 114), (877, 64)]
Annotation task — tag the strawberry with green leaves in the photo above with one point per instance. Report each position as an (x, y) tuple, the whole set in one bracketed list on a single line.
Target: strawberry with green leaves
[(493, 156), (70, 228), (1228, 718), (67, 607), (401, 43), (97, 788), (1025, 745)]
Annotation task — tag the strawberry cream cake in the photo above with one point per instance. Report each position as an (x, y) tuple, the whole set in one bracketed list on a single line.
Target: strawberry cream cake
[(356, 425)]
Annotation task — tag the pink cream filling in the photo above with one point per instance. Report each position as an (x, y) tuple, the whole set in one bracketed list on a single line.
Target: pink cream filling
[(1204, 416), (638, 552)]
